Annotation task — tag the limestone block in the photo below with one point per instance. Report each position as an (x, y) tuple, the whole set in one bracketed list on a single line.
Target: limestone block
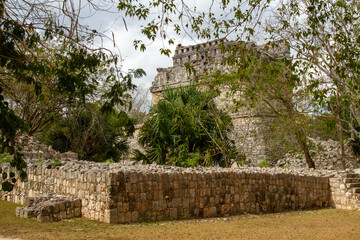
[(173, 213), (134, 216), (110, 216)]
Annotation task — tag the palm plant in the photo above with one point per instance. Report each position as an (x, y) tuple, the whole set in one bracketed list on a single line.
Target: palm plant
[(185, 128)]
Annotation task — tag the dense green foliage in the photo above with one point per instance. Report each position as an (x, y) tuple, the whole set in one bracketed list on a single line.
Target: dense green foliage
[(44, 48), (185, 129), (94, 135)]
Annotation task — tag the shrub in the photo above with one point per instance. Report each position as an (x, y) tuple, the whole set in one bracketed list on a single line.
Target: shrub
[(4, 158), (185, 129), (264, 163), (94, 135)]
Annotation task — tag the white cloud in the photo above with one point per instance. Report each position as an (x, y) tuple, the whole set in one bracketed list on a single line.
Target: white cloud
[(112, 21)]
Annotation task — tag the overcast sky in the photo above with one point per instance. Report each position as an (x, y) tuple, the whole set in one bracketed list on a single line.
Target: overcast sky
[(112, 21), (151, 59)]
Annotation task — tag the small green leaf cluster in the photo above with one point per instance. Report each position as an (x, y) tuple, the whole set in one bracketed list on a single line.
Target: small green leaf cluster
[(56, 163), (110, 160), (264, 163), (4, 158)]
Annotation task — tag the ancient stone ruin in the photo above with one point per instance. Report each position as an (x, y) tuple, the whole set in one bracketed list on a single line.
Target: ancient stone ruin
[(118, 193), (50, 207), (59, 186), (206, 58), (32, 149)]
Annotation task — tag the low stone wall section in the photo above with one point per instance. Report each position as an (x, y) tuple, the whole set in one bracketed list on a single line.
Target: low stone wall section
[(185, 193), (49, 208), (77, 179), (116, 193), (346, 191)]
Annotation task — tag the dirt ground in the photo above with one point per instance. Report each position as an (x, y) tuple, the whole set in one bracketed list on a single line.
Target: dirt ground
[(314, 224)]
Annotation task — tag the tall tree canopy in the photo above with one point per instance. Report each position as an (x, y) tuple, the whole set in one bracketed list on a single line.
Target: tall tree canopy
[(42, 43)]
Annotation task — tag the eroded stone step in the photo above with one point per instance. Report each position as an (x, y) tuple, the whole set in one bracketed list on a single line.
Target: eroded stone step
[(356, 190), (352, 175), (352, 180), (50, 207), (352, 185)]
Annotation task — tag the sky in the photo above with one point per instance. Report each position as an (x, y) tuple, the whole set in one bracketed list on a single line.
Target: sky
[(104, 17), (111, 21)]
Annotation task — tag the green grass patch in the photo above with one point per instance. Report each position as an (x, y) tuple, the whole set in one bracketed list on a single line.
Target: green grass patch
[(314, 224)]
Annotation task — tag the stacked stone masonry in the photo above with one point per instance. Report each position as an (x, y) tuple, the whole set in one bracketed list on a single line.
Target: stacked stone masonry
[(115, 193), (346, 194), (144, 196)]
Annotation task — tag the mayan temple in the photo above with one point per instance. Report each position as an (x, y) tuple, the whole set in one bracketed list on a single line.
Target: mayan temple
[(205, 58)]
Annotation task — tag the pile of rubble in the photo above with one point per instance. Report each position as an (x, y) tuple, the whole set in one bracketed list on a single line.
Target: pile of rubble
[(32, 149), (326, 155), (50, 207), (87, 167)]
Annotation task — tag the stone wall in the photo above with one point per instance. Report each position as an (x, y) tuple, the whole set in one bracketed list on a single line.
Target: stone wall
[(116, 193), (175, 193), (346, 191), (86, 181), (50, 208), (32, 149)]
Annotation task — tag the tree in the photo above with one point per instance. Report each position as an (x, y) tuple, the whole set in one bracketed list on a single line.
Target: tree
[(185, 128), (94, 135), (36, 110), (139, 105), (165, 18), (266, 86), (26, 27), (322, 35)]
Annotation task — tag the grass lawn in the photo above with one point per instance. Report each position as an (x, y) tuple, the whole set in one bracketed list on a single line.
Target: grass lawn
[(314, 224)]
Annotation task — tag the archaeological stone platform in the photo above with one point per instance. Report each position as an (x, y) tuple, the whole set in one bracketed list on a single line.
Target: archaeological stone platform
[(118, 193)]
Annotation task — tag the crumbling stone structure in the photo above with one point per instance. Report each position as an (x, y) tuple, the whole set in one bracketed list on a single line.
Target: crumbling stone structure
[(346, 191), (116, 193), (206, 58), (50, 207), (34, 150)]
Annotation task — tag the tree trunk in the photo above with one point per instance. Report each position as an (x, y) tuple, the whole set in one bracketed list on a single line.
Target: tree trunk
[(340, 132), (341, 138), (305, 149)]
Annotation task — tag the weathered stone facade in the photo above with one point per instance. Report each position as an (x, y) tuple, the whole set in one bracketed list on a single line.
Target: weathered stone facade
[(206, 58), (115, 193)]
